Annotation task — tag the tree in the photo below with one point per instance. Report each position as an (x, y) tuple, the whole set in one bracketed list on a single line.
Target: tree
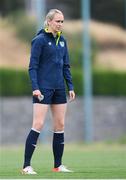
[(108, 11), (8, 6)]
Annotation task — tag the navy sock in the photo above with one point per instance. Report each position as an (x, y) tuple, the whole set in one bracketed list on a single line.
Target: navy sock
[(58, 148), (30, 145)]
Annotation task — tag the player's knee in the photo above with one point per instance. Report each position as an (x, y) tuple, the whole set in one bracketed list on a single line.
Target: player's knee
[(38, 125), (59, 126)]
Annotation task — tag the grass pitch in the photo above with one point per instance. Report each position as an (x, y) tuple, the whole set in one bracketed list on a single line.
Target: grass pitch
[(97, 161)]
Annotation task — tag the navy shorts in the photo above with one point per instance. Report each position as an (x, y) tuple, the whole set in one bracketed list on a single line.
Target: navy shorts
[(52, 96)]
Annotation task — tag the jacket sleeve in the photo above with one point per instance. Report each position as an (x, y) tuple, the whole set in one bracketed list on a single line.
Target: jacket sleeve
[(66, 70), (36, 47)]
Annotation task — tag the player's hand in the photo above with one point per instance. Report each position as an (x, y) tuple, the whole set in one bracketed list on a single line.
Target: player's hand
[(36, 93), (71, 95)]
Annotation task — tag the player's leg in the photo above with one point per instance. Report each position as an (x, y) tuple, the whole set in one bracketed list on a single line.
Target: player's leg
[(39, 113), (58, 114)]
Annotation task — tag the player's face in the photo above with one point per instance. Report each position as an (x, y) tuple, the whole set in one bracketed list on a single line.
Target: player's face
[(56, 23)]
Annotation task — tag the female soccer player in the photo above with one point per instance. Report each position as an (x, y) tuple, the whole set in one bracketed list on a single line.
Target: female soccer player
[(49, 67)]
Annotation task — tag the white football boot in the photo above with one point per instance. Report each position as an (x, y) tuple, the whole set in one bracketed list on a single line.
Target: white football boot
[(28, 170), (61, 168)]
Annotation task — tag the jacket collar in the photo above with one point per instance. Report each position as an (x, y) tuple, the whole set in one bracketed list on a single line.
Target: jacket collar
[(57, 35)]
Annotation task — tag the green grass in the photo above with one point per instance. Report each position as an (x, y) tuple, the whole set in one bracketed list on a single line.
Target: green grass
[(87, 161)]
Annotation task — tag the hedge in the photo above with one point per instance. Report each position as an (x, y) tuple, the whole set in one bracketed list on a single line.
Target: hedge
[(105, 83), (17, 83), (109, 83), (14, 83)]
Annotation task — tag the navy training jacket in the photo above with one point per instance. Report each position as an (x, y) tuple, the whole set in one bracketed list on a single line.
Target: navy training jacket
[(49, 62)]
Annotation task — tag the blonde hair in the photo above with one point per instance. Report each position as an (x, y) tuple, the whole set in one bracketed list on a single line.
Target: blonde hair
[(50, 16)]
